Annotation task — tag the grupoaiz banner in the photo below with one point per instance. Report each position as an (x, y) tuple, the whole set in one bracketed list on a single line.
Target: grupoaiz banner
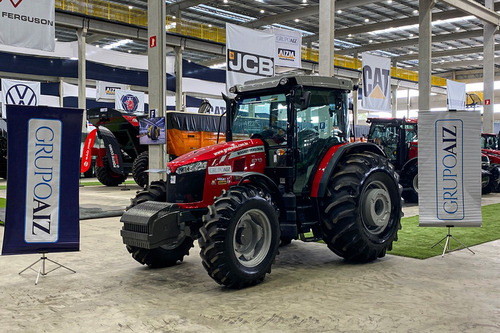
[(28, 23), (42, 188), (249, 55), (449, 168), (376, 83)]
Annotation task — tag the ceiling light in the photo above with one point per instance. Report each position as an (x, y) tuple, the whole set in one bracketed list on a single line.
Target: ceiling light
[(225, 1), (350, 35), (117, 44), (296, 20), (304, 1), (370, 41), (262, 11), (209, 25), (411, 35), (129, 51), (339, 11), (415, 11), (457, 28), (367, 19), (389, 1), (130, 7)]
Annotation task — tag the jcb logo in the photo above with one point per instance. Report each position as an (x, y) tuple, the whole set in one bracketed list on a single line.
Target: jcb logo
[(376, 82), (248, 63)]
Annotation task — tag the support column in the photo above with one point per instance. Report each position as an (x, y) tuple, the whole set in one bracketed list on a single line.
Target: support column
[(179, 100), (424, 54), (326, 37), (82, 75), (157, 78), (488, 72)]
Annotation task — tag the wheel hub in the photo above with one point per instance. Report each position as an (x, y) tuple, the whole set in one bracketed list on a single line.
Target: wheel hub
[(250, 242), (377, 208)]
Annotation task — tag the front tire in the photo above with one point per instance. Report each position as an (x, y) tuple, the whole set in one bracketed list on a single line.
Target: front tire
[(165, 255), (411, 182), (139, 167), (240, 237), (362, 208)]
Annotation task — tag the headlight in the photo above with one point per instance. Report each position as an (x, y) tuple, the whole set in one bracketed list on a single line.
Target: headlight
[(197, 166)]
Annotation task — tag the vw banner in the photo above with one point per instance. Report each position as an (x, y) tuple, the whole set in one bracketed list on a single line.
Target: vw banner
[(376, 83), (15, 92), (449, 168), (42, 213), (28, 23), (249, 55), (130, 101)]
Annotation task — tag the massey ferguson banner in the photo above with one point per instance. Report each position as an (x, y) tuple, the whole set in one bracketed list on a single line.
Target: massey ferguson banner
[(130, 101), (16, 92), (376, 83), (42, 212), (28, 23), (449, 168), (249, 55), (288, 48)]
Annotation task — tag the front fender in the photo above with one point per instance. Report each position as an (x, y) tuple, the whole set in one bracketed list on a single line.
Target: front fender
[(332, 158)]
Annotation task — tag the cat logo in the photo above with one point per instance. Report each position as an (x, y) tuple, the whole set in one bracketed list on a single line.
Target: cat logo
[(376, 82)]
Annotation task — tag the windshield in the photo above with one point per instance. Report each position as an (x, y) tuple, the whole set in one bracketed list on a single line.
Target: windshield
[(265, 116), (489, 142)]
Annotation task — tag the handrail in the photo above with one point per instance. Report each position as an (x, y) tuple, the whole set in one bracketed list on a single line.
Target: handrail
[(136, 16)]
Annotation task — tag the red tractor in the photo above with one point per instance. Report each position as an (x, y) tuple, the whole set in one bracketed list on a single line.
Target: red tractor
[(398, 137), (490, 148), (287, 171)]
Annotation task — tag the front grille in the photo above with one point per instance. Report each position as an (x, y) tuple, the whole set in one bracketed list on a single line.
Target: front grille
[(188, 187), (143, 229)]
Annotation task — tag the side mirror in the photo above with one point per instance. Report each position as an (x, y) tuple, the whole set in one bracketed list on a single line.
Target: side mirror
[(305, 100)]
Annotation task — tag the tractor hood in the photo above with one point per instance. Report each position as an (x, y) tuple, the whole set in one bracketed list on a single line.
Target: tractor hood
[(216, 154)]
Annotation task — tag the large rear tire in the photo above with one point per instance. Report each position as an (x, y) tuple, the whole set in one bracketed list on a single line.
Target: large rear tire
[(240, 237), (362, 208), (107, 177), (166, 255), (139, 167)]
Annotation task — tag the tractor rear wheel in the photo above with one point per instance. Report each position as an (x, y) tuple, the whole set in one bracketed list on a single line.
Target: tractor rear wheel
[(139, 167), (166, 255), (107, 176), (362, 208), (240, 237)]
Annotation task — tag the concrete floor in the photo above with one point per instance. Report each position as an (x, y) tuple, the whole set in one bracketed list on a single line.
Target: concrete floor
[(310, 289)]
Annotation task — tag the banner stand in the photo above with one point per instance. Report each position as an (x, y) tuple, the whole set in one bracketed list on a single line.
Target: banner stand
[(41, 270), (446, 247)]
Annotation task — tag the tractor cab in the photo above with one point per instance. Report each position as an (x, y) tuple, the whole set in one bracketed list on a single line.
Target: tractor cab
[(297, 121), (489, 141)]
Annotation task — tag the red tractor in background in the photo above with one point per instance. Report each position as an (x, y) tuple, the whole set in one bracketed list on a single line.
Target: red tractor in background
[(490, 148), (287, 171), (398, 137)]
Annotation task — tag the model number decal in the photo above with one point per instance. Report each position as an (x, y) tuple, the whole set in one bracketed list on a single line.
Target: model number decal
[(259, 149), (219, 170)]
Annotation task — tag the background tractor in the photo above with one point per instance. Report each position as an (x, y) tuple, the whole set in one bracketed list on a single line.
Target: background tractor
[(398, 137), (287, 171)]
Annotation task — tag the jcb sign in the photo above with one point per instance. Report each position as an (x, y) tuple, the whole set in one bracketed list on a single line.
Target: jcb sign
[(248, 63)]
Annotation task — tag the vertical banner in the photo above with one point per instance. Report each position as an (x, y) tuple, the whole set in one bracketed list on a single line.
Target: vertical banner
[(376, 83), (449, 168), (15, 92), (42, 212), (456, 92), (288, 49), (250, 54), (130, 101), (28, 23)]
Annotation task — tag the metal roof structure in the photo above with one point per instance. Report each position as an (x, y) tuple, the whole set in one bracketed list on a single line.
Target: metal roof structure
[(388, 27)]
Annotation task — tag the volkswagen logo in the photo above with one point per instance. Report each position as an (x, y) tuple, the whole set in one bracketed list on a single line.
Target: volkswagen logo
[(21, 94)]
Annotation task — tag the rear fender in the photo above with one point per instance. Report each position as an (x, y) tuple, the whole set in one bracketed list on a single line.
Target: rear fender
[(332, 158), (405, 168)]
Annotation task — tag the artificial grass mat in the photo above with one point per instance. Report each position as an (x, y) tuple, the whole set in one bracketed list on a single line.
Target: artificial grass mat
[(415, 242)]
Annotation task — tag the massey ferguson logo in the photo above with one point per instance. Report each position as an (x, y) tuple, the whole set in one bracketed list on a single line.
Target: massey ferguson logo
[(16, 3), (248, 63), (130, 103), (286, 54), (21, 94)]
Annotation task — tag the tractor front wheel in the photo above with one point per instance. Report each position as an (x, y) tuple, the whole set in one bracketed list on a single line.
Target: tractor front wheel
[(362, 208), (240, 237)]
